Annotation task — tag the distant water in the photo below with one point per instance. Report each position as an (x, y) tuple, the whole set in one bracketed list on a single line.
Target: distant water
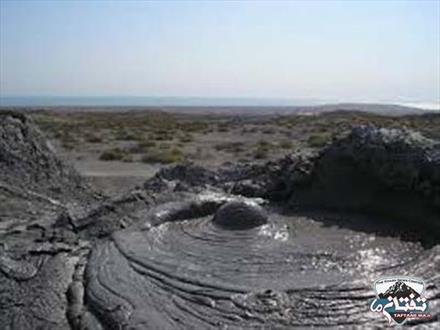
[(424, 105), (43, 101), (144, 101)]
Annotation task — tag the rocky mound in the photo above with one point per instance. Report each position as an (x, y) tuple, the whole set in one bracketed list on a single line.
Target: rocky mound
[(391, 173), (28, 161)]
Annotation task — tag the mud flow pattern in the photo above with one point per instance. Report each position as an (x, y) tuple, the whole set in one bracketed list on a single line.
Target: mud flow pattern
[(195, 273)]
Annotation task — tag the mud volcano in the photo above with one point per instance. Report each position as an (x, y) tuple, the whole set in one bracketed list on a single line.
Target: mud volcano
[(240, 216), (246, 246)]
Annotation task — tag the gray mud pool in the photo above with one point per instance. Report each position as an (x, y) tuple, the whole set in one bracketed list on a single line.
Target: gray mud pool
[(292, 271)]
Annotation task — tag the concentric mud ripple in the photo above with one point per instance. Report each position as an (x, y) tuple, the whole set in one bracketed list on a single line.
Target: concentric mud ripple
[(193, 274)]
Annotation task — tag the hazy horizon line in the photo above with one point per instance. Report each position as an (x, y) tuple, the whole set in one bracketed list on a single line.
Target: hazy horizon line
[(137, 100)]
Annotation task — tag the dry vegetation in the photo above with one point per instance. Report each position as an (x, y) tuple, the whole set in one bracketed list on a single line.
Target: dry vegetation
[(164, 138)]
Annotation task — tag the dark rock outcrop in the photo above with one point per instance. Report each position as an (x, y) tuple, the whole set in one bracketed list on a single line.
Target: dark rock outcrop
[(28, 161), (37, 260)]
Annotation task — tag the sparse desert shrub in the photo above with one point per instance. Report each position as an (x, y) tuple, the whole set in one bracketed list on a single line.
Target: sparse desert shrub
[(173, 155), (125, 135), (261, 153), (128, 158), (233, 147), (93, 138), (262, 149), (112, 154), (194, 126), (187, 138), (223, 128), (146, 144), (324, 128), (57, 133), (68, 145), (68, 141), (264, 144), (319, 140), (142, 146), (268, 131), (286, 144), (162, 135)]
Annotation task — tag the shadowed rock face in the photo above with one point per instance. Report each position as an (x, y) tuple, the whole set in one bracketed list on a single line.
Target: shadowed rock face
[(164, 256)]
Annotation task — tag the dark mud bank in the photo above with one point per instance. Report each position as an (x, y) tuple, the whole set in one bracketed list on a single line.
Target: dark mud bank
[(391, 173), (169, 255)]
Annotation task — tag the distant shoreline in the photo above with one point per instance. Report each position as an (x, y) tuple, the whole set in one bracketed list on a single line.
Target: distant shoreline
[(377, 108), (145, 101), (196, 102)]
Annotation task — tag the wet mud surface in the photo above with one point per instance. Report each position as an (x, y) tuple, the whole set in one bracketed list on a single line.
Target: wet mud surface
[(292, 271)]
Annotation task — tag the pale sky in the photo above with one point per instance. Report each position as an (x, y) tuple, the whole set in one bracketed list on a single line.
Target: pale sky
[(339, 50)]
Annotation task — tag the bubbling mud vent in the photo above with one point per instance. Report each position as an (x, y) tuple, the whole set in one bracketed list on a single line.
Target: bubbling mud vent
[(193, 273), (293, 242)]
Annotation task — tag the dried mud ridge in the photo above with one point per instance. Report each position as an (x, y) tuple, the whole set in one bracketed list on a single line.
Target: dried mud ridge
[(169, 255)]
